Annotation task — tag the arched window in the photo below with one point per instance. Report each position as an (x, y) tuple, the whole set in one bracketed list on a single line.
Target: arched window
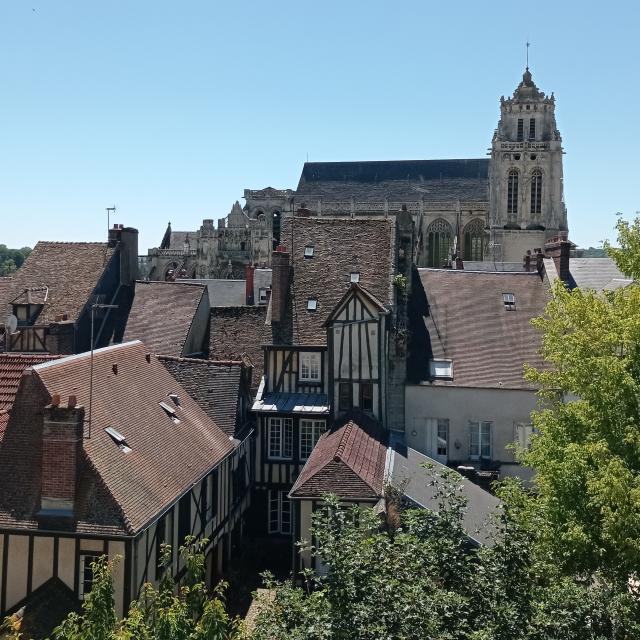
[(512, 191), (536, 191), (438, 243), (474, 240)]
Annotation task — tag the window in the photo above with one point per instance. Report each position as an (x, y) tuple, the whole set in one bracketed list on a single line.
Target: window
[(213, 494), (85, 583), (262, 295), (345, 402), (170, 411), (281, 438), (119, 439), (312, 304), (509, 300), (310, 432), (442, 437), (279, 512), (520, 129), (355, 277), (512, 191), (184, 518), (439, 236), (239, 479), (310, 362), (474, 240), (441, 368), (366, 396), (532, 129), (480, 440), (308, 251), (523, 433), (536, 191)]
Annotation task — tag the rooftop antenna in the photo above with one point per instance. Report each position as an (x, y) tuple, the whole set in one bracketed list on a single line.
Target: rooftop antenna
[(110, 210), (528, 45)]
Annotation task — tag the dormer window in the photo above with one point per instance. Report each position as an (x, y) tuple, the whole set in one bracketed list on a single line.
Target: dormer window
[(355, 277), (310, 366), (509, 301), (442, 369), (308, 251), (312, 304)]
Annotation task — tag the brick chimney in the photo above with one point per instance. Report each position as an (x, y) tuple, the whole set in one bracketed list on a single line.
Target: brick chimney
[(248, 275), (126, 238), (559, 249), (61, 446), (280, 283)]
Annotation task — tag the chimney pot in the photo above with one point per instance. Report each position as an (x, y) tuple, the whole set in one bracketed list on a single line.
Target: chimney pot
[(73, 400), (55, 400), (249, 273), (114, 366)]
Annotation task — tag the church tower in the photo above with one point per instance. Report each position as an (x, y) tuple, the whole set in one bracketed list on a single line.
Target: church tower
[(526, 203)]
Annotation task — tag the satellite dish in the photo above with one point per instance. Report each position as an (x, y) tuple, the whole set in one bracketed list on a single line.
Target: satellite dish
[(11, 323)]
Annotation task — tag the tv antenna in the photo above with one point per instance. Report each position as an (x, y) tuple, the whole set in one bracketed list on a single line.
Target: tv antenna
[(528, 45), (110, 210)]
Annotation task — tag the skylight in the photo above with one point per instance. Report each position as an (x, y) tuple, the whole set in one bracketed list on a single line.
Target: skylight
[(308, 251), (355, 276), (509, 300), (312, 304), (170, 411), (119, 439), (175, 398)]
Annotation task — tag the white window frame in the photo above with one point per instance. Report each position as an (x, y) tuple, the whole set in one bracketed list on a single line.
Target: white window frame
[(354, 277), (441, 368), (509, 301), (86, 558), (522, 432), (309, 251), (279, 513), (280, 438), (478, 448), (312, 304), (310, 366), (310, 432)]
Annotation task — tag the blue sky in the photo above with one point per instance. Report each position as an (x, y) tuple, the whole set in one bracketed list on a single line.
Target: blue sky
[(170, 109)]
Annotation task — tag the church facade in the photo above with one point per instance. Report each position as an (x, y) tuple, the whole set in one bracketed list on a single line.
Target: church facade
[(479, 209)]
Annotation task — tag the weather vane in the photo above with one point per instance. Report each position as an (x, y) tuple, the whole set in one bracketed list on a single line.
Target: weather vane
[(528, 44)]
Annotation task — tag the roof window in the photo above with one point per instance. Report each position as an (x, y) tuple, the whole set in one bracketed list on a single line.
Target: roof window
[(170, 411), (175, 398), (441, 369), (308, 251), (355, 276), (509, 300), (119, 439), (312, 304)]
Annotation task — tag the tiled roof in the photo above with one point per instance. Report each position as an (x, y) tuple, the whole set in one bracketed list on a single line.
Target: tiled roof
[(119, 492), (69, 270), (341, 246), (235, 331), (224, 292), (467, 322), (162, 314), (597, 273), (215, 386), (12, 366), (348, 460), (408, 180)]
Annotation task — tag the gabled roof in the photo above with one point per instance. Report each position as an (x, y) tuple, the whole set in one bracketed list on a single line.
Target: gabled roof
[(162, 314), (215, 386), (598, 274), (341, 246), (69, 271), (349, 461), (466, 321), (119, 492), (409, 180), (356, 290)]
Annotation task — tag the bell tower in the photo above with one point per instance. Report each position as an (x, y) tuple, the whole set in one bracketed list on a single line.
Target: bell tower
[(525, 175)]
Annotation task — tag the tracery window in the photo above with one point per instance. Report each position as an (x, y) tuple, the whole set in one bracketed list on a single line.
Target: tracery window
[(512, 191), (439, 236), (536, 191), (474, 240)]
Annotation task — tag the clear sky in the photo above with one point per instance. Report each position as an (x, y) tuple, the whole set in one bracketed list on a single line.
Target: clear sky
[(170, 109)]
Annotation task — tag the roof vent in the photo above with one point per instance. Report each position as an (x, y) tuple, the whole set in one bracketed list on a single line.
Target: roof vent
[(119, 439), (175, 398)]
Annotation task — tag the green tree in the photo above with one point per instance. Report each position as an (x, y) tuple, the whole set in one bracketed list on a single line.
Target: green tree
[(12, 259)]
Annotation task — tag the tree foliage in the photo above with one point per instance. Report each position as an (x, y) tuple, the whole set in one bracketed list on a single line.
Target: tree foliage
[(11, 259)]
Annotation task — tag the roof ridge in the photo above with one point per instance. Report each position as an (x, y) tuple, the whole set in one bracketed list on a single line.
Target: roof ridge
[(343, 443), (202, 285), (199, 360)]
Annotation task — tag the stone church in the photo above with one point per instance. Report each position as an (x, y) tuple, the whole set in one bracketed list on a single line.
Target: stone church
[(480, 209)]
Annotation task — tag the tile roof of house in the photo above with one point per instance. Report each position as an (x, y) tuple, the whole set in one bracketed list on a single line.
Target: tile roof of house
[(162, 314), (348, 460), (119, 492), (12, 366), (597, 273), (69, 270), (235, 331), (214, 385), (410, 180), (341, 246), (466, 321), (223, 292)]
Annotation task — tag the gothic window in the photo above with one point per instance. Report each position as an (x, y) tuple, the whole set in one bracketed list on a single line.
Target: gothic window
[(474, 240), (532, 129), (438, 242), (520, 129), (536, 191), (512, 191)]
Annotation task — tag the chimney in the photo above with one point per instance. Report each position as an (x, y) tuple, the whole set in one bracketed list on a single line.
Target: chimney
[(526, 263), (459, 263), (61, 448), (559, 249), (248, 275), (280, 283), (126, 239)]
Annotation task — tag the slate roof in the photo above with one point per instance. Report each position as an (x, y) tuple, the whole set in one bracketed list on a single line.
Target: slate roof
[(69, 270), (597, 273), (237, 330), (223, 292), (408, 473), (215, 386), (348, 460), (341, 246), (162, 314), (468, 323), (408, 180), (315, 403), (119, 493)]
